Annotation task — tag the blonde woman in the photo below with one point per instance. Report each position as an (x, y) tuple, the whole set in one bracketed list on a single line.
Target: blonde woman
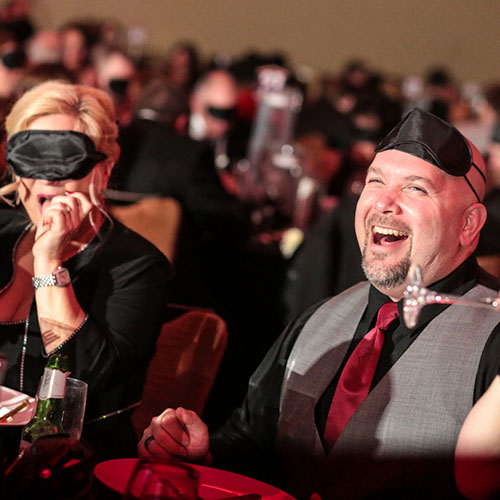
[(72, 278)]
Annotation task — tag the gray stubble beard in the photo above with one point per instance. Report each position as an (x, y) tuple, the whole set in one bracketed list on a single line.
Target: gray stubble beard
[(387, 277)]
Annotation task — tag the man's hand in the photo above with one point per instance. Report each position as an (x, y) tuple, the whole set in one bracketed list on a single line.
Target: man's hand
[(178, 433)]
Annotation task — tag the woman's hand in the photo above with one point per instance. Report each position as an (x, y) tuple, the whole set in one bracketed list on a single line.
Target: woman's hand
[(62, 216)]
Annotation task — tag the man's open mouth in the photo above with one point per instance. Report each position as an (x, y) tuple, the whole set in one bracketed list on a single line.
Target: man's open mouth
[(386, 236)]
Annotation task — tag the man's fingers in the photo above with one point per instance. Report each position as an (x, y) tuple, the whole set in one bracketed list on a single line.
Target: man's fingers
[(180, 433), (195, 427), (170, 436), (171, 424), (197, 433)]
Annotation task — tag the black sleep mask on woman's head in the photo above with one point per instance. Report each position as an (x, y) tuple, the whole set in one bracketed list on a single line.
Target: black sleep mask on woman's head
[(52, 155)]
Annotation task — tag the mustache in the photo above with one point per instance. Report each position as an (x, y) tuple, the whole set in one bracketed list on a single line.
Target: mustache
[(384, 220)]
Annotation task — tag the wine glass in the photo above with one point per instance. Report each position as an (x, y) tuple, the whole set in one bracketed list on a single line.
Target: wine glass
[(417, 296), (162, 479)]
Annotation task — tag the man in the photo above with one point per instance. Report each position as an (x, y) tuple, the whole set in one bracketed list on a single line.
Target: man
[(156, 161), (115, 73), (421, 205), (213, 109)]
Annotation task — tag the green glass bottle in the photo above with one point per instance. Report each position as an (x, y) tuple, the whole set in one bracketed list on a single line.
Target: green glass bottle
[(49, 409)]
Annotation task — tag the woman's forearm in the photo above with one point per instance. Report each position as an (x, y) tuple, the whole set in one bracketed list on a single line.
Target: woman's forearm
[(477, 454)]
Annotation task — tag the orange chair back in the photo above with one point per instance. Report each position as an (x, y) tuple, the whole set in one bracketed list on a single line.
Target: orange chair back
[(182, 371), (155, 218)]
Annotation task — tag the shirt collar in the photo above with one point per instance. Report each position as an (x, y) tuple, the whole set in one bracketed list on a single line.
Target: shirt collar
[(458, 282)]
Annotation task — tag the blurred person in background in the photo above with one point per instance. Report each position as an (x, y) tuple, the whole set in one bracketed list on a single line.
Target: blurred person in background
[(209, 265), (489, 242), (44, 61), (12, 65), (440, 92), (328, 260), (44, 47), (15, 16), (115, 73), (213, 109), (78, 40), (182, 66)]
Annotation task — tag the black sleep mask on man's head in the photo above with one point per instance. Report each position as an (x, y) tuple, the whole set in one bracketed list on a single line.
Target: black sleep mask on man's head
[(14, 59), (426, 136), (52, 154)]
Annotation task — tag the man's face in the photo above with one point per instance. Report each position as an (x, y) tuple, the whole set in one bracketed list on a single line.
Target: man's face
[(410, 212), (218, 99)]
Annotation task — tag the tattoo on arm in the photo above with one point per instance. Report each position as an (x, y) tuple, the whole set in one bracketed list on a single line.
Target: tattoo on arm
[(53, 331)]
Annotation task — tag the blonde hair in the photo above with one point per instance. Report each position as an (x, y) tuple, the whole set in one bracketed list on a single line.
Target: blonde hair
[(94, 116)]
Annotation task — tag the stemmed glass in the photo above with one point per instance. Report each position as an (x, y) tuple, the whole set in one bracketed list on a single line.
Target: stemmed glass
[(417, 296)]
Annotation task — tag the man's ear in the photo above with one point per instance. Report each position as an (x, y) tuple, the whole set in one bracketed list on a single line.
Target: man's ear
[(474, 219)]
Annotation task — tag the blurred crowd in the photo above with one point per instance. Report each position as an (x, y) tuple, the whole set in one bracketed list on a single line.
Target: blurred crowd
[(267, 225)]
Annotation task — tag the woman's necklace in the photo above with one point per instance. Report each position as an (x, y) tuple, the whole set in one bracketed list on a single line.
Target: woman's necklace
[(24, 346)]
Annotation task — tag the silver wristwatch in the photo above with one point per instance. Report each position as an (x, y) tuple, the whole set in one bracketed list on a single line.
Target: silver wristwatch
[(60, 277)]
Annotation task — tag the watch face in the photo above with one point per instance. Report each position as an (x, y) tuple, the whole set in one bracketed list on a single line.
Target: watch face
[(62, 277)]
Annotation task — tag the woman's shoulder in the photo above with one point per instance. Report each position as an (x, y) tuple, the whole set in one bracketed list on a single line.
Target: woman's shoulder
[(12, 219)]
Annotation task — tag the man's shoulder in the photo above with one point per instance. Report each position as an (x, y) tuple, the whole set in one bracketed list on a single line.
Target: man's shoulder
[(355, 294)]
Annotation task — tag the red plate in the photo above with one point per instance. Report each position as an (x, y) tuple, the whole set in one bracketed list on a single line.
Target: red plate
[(215, 484)]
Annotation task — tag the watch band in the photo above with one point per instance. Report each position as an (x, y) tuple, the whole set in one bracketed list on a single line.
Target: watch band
[(60, 277)]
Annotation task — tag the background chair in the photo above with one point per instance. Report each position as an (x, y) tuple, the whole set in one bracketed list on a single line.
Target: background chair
[(155, 218), (490, 263), (181, 373)]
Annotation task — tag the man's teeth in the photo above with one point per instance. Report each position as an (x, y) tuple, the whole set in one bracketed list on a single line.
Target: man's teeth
[(392, 232)]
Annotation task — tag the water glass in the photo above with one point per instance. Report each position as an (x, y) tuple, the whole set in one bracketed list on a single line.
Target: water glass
[(75, 399)]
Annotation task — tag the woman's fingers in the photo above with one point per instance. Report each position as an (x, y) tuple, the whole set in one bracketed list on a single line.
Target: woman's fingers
[(81, 201), (66, 211)]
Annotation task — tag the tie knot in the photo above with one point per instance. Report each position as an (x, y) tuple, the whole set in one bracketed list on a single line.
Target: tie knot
[(386, 315)]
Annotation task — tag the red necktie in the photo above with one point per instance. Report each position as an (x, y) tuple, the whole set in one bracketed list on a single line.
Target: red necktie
[(357, 376)]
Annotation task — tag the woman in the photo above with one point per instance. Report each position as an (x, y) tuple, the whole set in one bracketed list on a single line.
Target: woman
[(70, 277), (477, 454)]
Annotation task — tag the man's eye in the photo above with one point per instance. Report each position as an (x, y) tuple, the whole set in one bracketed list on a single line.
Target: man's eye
[(417, 189), (373, 180)]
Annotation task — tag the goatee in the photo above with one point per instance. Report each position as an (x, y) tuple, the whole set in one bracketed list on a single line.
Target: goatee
[(383, 276)]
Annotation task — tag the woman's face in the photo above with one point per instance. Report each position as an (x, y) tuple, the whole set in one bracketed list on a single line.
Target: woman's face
[(34, 192)]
